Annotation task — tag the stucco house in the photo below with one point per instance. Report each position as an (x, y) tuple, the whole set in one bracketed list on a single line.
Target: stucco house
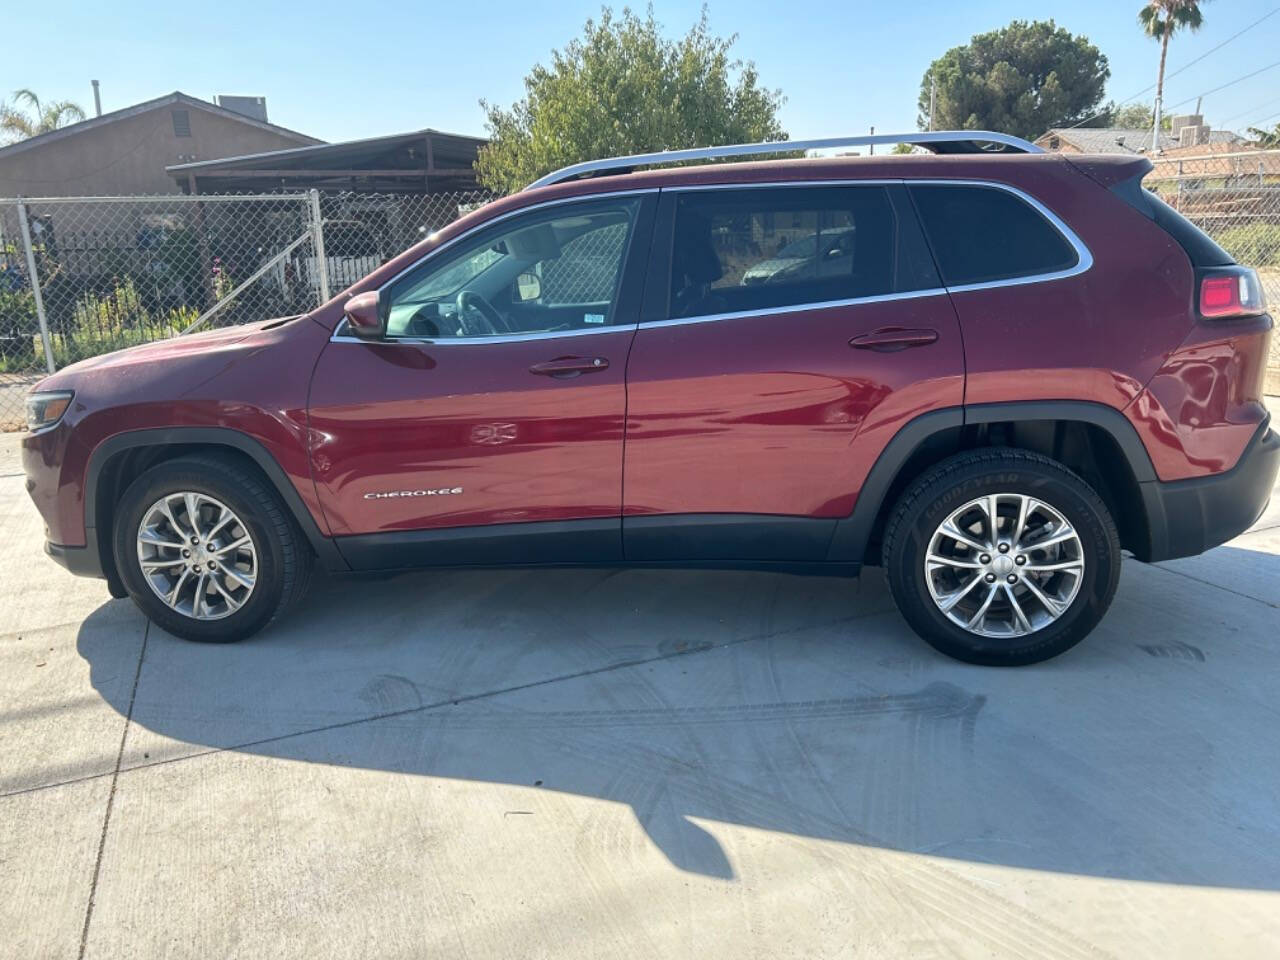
[(125, 152)]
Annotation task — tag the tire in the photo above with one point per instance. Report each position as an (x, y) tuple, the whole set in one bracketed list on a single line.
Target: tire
[(1025, 626), (281, 559)]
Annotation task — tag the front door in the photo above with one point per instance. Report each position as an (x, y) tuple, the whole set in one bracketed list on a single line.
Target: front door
[(496, 402), (794, 331)]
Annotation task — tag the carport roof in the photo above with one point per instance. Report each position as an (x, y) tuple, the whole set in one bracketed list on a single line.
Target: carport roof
[(423, 161)]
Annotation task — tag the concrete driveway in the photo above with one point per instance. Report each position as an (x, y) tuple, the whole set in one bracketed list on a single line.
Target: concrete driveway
[(636, 764)]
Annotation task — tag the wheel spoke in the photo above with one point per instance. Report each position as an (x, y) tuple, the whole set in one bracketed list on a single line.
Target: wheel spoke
[(237, 576), (156, 539), (149, 565), (953, 562), (197, 602), (193, 511), (173, 521), (1025, 508), (1054, 607), (236, 545), (946, 602), (226, 518), (172, 598), (993, 518), (1023, 623), (982, 610), (1061, 535), (232, 602), (952, 532), (1075, 565)]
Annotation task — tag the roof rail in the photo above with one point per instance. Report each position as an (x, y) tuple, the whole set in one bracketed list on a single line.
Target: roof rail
[(936, 141)]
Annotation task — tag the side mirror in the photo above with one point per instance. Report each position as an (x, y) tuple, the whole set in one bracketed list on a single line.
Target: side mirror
[(364, 316), (528, 287)]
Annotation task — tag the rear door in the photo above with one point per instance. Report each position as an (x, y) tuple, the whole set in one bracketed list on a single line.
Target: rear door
[(788, 331)]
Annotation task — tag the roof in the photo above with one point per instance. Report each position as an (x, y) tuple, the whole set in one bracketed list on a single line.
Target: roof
[(415, 155), (177, 97), (1108, 139)]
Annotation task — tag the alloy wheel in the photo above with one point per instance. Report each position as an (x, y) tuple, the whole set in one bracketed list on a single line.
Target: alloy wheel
[(1004, 565), (197, 555)]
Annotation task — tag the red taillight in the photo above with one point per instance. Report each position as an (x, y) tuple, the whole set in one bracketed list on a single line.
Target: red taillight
[(1231, 292)]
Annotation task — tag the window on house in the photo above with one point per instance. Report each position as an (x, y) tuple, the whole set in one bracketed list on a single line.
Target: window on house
[(181, 123)]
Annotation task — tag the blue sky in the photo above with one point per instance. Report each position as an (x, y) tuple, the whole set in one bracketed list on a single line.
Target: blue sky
[(345, 70)]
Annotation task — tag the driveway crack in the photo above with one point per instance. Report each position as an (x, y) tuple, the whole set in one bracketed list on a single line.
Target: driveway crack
[(111, 797)]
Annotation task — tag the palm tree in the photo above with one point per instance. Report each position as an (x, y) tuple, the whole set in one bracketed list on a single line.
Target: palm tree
[(1161, 19), (17, 124)]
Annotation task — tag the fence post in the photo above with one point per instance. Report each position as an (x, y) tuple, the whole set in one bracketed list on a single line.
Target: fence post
[(25, 227), (317, 244)]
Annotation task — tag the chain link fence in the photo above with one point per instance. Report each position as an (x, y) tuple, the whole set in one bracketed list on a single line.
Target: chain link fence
[(115, 271), (112, 272)]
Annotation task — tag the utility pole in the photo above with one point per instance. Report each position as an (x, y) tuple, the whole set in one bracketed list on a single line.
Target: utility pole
[(933, 97), (873, 146)]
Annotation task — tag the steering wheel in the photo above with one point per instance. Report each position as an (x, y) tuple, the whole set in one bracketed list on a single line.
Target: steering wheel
[(494, 322)]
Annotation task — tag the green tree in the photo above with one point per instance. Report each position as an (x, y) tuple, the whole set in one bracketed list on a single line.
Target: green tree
[(19, 124), (1021, 79), (1161, 19), (1267, 139), (1132, 116), (621, 88)]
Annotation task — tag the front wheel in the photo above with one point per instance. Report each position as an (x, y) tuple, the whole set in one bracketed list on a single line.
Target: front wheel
[(1001, 557), (207, 550)]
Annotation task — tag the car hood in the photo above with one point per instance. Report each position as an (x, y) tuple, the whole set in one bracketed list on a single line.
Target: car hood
[(148, 358)]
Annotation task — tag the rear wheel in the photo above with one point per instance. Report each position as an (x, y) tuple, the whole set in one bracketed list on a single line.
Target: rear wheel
[(206, 549), (1001, 557)]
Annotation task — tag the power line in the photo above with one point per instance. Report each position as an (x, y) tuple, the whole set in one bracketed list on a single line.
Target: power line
[(1169, 76), (1254, 109), (1232, 83)]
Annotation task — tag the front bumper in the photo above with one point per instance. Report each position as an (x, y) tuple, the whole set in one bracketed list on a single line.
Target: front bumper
[(1187, 517), (86, 561)]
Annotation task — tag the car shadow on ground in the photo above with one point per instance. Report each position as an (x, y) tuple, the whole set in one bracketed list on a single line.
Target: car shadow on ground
[(798, 705)]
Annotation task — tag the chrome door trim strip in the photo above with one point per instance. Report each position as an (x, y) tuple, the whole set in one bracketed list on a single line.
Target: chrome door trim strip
[(339, 337), (797, 308)]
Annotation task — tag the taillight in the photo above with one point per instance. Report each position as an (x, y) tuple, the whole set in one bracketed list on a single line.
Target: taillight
[(1230, 292)]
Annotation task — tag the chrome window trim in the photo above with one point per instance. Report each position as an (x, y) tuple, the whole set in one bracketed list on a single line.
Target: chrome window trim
[(1084, 258)]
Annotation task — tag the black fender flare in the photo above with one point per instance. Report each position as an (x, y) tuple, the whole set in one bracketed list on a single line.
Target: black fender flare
[(326, 550), (852, 533)]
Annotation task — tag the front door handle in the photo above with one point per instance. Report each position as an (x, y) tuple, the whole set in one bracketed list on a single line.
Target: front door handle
[(892, 339), (562, 368)]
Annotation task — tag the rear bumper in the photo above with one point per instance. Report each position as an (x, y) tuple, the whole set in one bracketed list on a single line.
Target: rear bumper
[(1187, 517)]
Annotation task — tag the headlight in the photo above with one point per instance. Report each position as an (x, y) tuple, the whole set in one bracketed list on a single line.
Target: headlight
[(46, 409)]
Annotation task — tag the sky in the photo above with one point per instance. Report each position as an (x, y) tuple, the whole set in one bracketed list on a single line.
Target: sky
[(340, 71)]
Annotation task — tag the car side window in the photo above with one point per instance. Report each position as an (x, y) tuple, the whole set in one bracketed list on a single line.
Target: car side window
[(985, 234), (546, 271), (753, 249)]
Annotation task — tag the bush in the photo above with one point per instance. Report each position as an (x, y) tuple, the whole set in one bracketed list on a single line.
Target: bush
[(101, 323), (1255, 245)]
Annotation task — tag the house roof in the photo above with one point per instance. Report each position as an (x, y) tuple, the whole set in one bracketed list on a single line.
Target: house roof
[(442, 157), (177, 97), (1123, 139)]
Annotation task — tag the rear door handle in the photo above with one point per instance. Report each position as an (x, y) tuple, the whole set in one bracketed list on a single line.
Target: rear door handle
[(892, 339), (562, 368)]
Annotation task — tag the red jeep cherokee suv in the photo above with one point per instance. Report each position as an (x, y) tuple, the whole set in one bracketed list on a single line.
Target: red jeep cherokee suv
[(989, 371)]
